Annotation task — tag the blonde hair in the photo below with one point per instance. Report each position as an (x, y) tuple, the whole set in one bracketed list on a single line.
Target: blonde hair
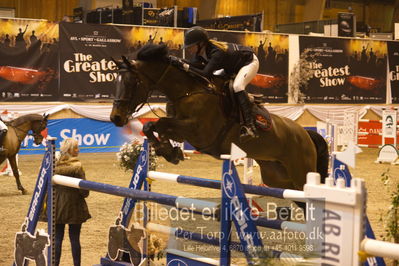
[(219, 44), (66, 146)]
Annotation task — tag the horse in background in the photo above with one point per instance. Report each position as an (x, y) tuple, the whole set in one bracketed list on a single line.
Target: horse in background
[(285, 152), (17, 131)]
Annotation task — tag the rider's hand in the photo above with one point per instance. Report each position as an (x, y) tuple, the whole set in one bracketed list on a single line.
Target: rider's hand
[(175, 61), (178, 62), (186, 66)]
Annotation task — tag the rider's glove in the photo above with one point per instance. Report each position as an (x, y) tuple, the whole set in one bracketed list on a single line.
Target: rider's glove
[(186, 66), (177, 62)]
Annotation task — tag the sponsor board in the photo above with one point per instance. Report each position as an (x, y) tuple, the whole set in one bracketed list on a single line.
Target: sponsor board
[(92, 135)]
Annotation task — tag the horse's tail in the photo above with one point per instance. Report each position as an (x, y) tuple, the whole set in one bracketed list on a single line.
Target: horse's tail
[(322, 153)]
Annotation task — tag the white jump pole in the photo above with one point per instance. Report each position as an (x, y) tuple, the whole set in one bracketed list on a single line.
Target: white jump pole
[(380, 248)]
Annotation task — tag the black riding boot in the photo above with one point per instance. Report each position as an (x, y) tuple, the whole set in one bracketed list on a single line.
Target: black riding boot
[(248, 130), (2, 136)]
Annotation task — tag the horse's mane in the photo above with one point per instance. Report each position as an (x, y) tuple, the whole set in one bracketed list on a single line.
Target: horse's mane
[(151, 52), (156, 52), (22, 119)]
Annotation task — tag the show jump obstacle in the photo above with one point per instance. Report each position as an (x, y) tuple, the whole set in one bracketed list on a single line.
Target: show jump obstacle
[(338, 210), (387, 129)]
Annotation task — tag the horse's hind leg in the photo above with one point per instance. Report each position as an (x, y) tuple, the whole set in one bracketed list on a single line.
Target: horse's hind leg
[(322, 154), (14, 167), (275, 175)]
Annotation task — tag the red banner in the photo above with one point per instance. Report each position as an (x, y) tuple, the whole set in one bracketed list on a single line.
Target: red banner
[(28, 60), (374, 129)]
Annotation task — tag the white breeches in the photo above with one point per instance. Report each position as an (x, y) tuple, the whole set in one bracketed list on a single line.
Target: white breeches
[(245, 75), (3, 126)]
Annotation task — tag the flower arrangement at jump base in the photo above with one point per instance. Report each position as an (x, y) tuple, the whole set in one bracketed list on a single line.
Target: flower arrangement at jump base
[(129, 153)]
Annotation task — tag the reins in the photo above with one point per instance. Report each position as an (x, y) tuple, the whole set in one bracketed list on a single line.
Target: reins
[(209, 89), (26, 132), (17, 129)]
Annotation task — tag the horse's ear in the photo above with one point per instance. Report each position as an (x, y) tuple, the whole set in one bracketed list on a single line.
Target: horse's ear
[(118, 64), (127, 62), (45, 116)]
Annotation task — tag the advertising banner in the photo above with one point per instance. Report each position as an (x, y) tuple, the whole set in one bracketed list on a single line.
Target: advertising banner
[(343, 70), (87, 70), (28, 60), (346, 24), (393, 59), (373, 137), (239, 23), (92, 135), (159, 17), (271, 82), (137, 37)]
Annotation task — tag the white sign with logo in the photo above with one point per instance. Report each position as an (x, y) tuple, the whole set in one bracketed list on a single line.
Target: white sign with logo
[(389, 118)]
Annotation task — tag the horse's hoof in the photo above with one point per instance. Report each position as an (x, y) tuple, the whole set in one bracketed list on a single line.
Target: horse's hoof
[(24, 191), (178, 153), (173, 159)]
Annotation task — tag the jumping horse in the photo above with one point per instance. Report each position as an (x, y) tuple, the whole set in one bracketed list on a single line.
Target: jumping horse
[(17, 131), (285, 152)]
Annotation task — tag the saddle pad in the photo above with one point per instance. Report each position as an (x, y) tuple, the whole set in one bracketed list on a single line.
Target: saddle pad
[(262, 117)]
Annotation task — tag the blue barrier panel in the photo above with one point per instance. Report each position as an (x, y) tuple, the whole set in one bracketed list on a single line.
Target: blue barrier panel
[(92, 135)]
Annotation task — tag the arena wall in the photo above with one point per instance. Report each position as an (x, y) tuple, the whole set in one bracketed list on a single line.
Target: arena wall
[(307, 119)]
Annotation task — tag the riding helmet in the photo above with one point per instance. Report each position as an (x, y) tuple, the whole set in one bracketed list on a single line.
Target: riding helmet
[(195, 35)]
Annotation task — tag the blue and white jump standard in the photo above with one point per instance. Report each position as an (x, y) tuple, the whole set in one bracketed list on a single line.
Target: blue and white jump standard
[(340, 209)]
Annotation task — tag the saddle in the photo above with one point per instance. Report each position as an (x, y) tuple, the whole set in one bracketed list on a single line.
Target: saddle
[(261, 115)]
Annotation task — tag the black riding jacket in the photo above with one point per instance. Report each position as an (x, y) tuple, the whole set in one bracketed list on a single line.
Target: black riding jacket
[(231, 60)]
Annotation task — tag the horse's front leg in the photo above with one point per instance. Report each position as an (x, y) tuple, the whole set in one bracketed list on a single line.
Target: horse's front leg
[(167, 129), (14, 167), (148, 130), (162, 145)]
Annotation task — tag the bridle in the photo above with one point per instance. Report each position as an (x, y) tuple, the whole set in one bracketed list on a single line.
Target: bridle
[(118, 102), (155, 83), (34, 134), (42, 127)]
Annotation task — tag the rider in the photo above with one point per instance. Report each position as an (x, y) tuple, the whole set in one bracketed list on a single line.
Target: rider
[(212, 55), (3, 132)]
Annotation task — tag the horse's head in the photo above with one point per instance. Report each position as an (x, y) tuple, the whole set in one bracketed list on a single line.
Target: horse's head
[(37, 127), (130, 92), (136, 80)]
